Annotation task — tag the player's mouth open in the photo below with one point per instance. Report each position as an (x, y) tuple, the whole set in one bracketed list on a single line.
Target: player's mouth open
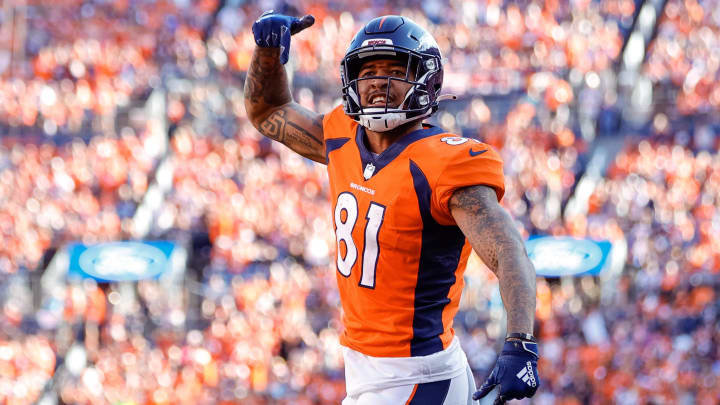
[(379, 100)]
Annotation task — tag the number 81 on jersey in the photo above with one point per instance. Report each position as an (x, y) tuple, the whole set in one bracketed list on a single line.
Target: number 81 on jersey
[(343, 232)]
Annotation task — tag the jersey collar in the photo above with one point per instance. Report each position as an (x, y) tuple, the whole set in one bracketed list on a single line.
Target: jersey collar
[(392, 151)]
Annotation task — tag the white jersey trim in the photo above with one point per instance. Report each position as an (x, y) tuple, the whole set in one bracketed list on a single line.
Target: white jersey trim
[(366, 373)]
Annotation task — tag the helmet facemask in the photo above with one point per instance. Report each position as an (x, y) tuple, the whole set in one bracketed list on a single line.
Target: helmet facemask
[(418, 102)]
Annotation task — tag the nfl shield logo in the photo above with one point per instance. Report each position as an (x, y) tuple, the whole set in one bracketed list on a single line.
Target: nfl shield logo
[(369, 170)]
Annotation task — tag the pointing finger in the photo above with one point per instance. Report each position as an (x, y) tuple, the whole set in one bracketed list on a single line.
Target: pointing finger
[(484, 390), (301, 24), (500, 400)]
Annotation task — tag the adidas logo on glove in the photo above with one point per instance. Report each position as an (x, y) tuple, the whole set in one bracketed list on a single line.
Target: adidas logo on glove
[(527, 376)]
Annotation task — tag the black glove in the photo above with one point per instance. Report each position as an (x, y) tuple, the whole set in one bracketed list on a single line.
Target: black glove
[(273, 31), (515, 371)]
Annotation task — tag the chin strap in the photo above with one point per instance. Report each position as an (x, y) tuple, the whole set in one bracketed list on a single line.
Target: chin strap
[(382, 120), (445, 97), (388, 121)]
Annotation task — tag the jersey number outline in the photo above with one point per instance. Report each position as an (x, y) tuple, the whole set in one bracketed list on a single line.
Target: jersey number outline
[(343, 233)]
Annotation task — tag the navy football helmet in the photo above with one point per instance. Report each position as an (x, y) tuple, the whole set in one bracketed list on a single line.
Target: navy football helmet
[(393, 37)]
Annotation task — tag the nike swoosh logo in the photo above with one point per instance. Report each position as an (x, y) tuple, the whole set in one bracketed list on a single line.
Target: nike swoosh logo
[(473, 153)]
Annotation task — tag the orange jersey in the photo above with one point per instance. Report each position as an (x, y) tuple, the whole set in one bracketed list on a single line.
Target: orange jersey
[(400, 255)]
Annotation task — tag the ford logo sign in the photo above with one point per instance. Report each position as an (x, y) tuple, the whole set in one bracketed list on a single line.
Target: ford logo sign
[(122, 261), (565, 256)]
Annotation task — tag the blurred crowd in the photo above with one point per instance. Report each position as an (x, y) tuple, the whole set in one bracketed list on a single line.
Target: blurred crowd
[(256, 202), (52, 194), (661, 341), (258, 345), (260, 318), (683, 61)]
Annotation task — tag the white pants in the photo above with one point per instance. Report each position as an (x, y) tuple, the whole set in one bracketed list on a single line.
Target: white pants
[(456, 391)]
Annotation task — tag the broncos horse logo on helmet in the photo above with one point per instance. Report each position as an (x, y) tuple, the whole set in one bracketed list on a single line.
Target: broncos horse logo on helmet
[(398, 38)]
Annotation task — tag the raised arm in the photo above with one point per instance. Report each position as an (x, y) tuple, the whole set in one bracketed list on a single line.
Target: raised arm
[(268, 101), (492, 234)]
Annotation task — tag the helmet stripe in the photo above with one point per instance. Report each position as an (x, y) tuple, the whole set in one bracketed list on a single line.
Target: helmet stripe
[(381, 22)]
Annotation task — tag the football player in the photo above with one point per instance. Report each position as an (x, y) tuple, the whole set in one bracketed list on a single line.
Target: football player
[(409, 201)]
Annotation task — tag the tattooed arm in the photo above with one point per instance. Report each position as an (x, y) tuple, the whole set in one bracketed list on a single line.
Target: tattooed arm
[(492, 234), (272, 111)]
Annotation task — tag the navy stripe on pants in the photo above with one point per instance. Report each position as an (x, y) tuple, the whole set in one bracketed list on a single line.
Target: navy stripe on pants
[(433, 393)]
